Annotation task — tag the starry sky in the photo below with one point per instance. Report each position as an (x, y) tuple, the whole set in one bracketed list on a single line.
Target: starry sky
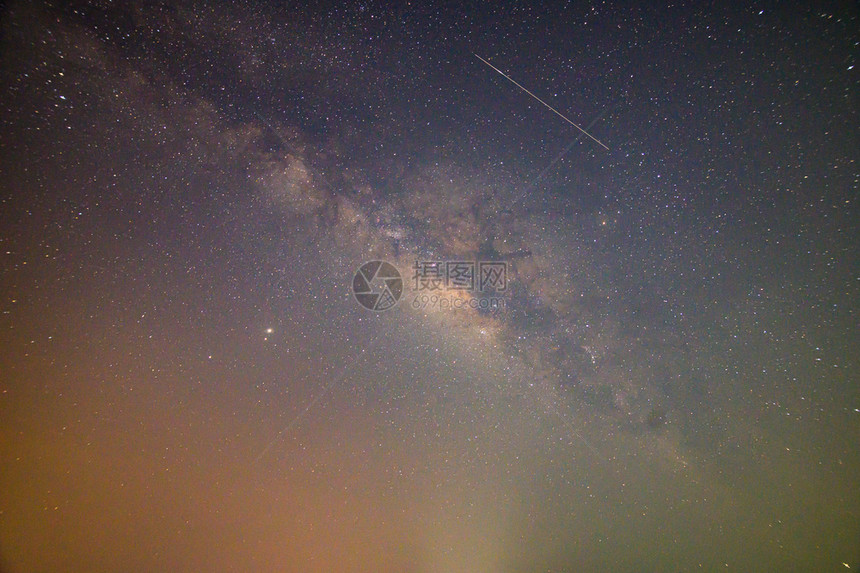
[(668, 380)]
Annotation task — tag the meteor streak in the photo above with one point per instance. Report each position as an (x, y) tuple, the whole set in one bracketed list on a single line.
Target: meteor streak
[(555, 111)]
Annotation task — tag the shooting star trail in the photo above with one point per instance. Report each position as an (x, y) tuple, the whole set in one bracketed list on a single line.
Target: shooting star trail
[(555, 111), (546, 169), (295, 420)]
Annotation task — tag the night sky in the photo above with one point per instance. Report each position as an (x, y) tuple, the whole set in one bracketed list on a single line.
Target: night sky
[(667, 380)]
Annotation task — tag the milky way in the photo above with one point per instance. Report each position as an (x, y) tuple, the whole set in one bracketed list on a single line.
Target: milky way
[(664, 380)]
